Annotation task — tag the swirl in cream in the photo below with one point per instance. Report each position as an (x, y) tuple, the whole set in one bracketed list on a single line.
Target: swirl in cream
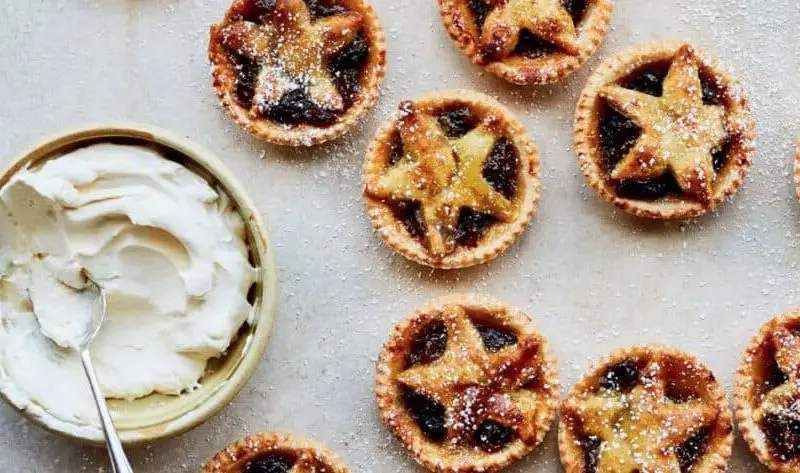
[(168, 249)]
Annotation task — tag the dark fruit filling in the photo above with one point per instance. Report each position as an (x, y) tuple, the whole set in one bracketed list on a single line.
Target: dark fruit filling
[(429, 344), (575, 9), (618, 134), (323, 8), (410, 214), (297, 107), (712, 95), (621, 376), (457, 122), (346, 68), (692, 449), (246, 80), (720, 157), (776, 377), (591, 453), (257, 8), (480, 9), (649, 189), (471, 226), (396, 150), (500, 169), (270, 464), (533, 47), (492, 436), (494, 339), (428, 414), (783, 432)]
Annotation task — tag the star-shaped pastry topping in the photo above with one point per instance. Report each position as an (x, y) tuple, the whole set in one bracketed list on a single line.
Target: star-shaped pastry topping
[(293, 50), (548, 20), (787, 356), (640, 430), (442, 175), (475, 385), (679, 132)]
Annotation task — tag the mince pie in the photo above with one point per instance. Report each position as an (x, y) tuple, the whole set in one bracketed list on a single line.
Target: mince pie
[(452, 180), (528, 41), (297, 72), (662, 132), (467, 384), (767, 394), (275, 453), (646, 409), (797, 170)]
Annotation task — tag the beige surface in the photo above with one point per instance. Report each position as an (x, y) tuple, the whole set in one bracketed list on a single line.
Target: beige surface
[(593, 278)]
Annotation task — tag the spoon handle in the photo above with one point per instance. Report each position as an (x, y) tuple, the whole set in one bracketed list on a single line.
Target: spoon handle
[(119, 462)]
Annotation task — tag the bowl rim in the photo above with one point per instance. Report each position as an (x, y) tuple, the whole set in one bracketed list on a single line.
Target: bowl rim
[(256, 347)]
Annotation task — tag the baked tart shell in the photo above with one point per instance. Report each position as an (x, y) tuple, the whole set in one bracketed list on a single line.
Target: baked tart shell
[(403, 426), (500, 235), (569, 445), (235, 457), (797, 169), (529, 71), (742, 132), (746, 397), (224, 76)]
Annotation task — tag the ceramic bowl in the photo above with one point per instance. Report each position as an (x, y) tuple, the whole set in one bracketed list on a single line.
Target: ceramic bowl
[(158, 416)]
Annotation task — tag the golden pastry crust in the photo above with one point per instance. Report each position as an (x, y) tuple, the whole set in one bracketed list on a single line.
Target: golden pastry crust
[(224, 72), (514, 213), (756, 394), (642, 420), (576, 42), (738, 124), (797, 169), (310, 456), (516, 383)]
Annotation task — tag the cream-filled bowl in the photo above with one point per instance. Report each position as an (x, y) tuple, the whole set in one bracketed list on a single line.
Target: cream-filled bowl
[(188, 269)]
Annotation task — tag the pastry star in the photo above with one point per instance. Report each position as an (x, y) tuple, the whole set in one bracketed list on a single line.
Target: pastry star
[(787, 356), (548, 20), (443, 175), (679, 132), (474, 385), (640, 430), (293, 50)]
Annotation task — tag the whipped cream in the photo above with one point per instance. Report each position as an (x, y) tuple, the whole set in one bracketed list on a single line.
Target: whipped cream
[(167, 248)]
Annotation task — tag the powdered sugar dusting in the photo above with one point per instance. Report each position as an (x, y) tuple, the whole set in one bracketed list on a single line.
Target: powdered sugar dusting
[(593, 279)]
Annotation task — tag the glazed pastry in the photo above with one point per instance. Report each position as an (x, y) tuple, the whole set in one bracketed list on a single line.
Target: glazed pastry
[(452, 180), (275, 453), (467, 384), (297, 72), (646, 409), (767, 394), (527, 41), (662, 132)]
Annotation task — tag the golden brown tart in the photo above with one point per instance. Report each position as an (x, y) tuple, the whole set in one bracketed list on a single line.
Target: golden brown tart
[(662, 132), (297, 72), (467, 384), (767, 394), (646, 409), (275, 453), (452, 180), (528, 41), (797, 169)]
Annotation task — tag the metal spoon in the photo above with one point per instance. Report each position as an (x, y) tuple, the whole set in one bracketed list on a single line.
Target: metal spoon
[(119, 462)]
